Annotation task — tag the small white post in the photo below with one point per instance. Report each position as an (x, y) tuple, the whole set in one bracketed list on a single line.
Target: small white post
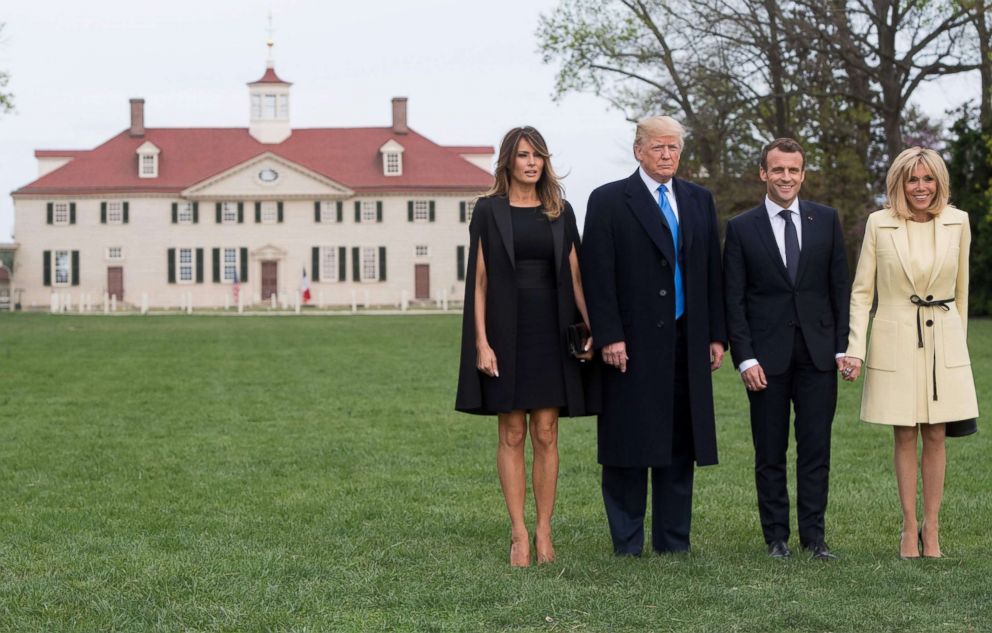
[(144, 303), (82, 304), (320, 299), (106, 303), (55, 303), (67, 303), (227, 301), (366, 299), (296, 301), (241, 303), (113, 303), (189, 303), (89, 302), (404, 302), (354, 301), (272, 300), (444, 299)]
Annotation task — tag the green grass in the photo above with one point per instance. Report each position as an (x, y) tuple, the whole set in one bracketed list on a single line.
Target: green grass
[(309, 474)]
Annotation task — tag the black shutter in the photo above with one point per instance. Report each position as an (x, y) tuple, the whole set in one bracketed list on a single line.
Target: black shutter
[(175, 212), (461, 211), (382, 263), (358, 211), (409, 210), (342, 261), (461, 262), (241, 213), (196, 213), (72, 213), (172, 265), (316, 211), (49, 213), (432, 211), (46, 276), (378, 210), (244, 265), (75, 268), (219, 205), (125, 212), (340, 215), (315, 263), (103, 213), (258, 212), (279, 212), (356, 272), (199, 265), (216, 258)]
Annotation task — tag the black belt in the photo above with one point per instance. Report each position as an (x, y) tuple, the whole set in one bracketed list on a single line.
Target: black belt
[(929, 302)]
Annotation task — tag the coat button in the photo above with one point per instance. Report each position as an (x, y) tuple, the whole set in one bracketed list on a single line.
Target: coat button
[(791, 324), (664, 263), (929, 297), (663, 292), (660, 324), (929, 322)]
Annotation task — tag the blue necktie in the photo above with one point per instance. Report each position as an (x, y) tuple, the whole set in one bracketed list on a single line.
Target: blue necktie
[(673, 225)]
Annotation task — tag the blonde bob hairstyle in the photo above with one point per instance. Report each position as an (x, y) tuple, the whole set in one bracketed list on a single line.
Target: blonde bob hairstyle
[(658, 126), (902, 170), (549, 189)]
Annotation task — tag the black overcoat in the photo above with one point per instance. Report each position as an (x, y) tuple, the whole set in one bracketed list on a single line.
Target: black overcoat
[(492, 227), (627, 271)]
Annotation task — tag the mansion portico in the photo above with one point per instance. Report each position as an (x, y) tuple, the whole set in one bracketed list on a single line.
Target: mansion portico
[(186, 214)]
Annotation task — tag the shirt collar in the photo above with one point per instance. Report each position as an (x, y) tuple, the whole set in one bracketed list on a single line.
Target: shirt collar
[(773, 208), (653, 184)]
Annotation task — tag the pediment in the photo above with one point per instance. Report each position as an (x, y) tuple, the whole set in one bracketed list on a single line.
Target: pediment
[(391, 146), (147, 148), (267, 176), (268, 252)]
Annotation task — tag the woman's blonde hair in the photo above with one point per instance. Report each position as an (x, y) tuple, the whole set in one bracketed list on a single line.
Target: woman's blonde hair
[(900, 173), (549, 189)]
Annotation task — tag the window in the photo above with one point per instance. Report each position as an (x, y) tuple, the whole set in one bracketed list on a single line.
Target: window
[(115, 212), (270, 213), (393, 167), (370, 263), (115, 253), (369, 213), (63, 268), (421, 210), (184, 213), (328, 211), (60, 214), (328, 263), (148, 167), (283, 106), (230, 265), (270, 107), (421, 251), (469, 207), (256, 106), (185, 265), (229, 213)]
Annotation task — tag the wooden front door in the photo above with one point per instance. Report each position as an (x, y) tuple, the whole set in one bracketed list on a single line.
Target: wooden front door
[(270, 280), (115, 282), (422, 281)]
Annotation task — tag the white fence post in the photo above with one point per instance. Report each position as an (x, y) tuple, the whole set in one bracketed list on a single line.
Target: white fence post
[(113, 303), (354, 301), (189, 303), (366, 299), (54, 303), (404, 303), (144, 303), (106, 303), (296, 301), (272, 300)]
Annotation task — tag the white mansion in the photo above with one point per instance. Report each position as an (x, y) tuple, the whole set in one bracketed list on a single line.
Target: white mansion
[(183, 216)]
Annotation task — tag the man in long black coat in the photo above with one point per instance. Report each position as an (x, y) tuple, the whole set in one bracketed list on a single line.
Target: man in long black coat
[(651, 270)]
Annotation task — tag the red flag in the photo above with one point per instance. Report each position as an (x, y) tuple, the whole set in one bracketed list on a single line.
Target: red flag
[(305, 287)]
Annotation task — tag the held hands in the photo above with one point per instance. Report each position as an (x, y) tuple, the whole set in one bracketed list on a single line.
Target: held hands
[(754, 378), (485, 360), (716, 355), (587, 352), (615, 355), (849, 368)]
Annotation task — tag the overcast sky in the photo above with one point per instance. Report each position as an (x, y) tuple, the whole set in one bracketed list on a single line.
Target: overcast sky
[(471, 70)]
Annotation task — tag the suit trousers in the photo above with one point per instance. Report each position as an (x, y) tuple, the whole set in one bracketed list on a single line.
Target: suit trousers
[(625, 489), (813, 393)]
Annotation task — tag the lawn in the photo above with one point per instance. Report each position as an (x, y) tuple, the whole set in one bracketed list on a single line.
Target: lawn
[(199, 473)]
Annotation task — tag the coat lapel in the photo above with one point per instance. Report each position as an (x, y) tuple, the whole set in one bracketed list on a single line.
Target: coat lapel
[(811, 228), (900, 240), (558, 237), (686, 216), (648, 213), (942, 243), (501, 213), (763, 227)]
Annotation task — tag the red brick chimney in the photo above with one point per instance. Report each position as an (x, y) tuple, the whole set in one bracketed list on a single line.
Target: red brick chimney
[(137, 117), (399, 116)]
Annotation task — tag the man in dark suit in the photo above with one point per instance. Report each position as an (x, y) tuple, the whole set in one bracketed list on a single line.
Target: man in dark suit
[(651, 273), (787, 290)]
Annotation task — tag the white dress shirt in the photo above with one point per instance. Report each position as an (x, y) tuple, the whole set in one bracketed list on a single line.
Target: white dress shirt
[(652, 186)]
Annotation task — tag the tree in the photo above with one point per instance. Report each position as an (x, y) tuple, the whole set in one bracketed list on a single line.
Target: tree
[(6, 98)]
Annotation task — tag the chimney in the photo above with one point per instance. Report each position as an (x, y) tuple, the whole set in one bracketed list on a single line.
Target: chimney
[(137, 117), (399, 115)]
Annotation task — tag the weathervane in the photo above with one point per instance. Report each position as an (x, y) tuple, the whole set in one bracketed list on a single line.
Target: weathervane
[(270, 42)]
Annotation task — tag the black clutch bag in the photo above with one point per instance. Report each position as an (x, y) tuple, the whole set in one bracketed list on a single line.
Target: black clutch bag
[(578, 336)]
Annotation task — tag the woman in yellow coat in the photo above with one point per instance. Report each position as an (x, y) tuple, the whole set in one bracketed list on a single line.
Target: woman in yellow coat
[(918, 376)]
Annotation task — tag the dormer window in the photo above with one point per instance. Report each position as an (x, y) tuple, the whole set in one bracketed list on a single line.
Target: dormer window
[(392, 158), (148, 160)]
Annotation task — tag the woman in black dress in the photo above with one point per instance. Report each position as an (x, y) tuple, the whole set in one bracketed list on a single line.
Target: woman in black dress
[(522, 293)]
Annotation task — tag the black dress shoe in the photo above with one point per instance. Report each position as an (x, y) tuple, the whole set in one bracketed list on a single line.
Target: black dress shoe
[(820, 551), (778, 549)]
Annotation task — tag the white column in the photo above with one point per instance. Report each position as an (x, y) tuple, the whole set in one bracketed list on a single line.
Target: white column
[(404, 302), (272, 300), (296, 300), (241, 303), (144, 303), (113, 303), (189, 303), (354, 301), (106, 303), (366, 299), (55, 302), (444, 299), (227, 301)]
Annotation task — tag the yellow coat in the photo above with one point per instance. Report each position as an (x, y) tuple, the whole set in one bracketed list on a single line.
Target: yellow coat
[(891, 364)]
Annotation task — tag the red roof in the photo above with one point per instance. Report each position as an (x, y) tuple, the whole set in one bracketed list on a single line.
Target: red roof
[(270, 77), (471, 149), (349, 156), (58, 153)]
